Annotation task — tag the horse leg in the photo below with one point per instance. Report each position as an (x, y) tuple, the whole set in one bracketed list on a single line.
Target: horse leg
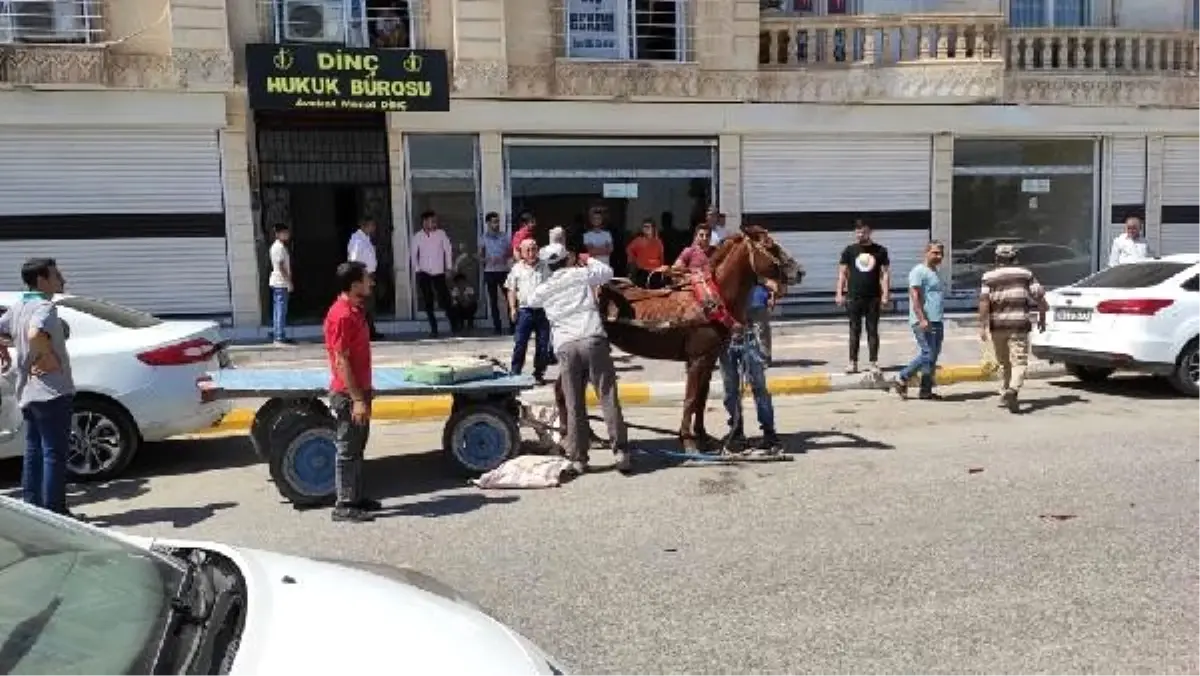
[(687, 432), (703, 384)]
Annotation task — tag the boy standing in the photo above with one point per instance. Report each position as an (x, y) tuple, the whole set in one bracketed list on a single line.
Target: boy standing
[(524, 277), (280, 282), (45, 389), (925, 301)]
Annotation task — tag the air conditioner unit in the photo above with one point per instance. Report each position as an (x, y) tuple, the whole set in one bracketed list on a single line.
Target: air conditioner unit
[(47, 20), (313, 21)]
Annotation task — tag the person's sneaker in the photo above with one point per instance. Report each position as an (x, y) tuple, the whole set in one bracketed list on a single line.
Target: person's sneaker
[(900, 388), (874, 368), (369, 505), (578, 467), (770, 443), (852, 368), (351, 514), (624, 463), (1010, 401), (735, 442)]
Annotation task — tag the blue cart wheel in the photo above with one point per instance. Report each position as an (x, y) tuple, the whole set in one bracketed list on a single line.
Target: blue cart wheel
[(479, 437), (302, 463)]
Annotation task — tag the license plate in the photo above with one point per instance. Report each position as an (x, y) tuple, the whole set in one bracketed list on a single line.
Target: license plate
[(1066, 314)]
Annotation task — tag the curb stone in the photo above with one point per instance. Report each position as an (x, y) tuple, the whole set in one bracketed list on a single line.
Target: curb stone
[(397, 409)]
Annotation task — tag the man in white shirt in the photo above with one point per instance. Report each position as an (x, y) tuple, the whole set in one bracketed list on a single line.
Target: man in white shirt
[(1129, 246), (280, 282), (432, 256), (716, 225), (568, 297), (361, 249), (598, 240)]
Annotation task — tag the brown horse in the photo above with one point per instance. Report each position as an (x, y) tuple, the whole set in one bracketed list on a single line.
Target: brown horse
[(691, 320)]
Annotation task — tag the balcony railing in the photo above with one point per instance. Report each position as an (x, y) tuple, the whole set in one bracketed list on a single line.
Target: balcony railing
[(354, 23), (1100, 50), (806, 42), (60, 22), (847, 41)]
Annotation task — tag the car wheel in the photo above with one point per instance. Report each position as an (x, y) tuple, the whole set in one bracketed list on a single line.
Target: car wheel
[(103, 440), (1089, 374), (1186, 378)]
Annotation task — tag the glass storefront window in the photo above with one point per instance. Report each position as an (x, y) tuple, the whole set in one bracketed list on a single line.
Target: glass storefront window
[(1038, 195), (443, 177), (560, 184)]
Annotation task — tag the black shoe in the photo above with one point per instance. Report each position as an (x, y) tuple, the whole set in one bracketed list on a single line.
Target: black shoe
[(900, 388), (352, 514), (736, 442), (369, 505), (499, 331), (770, 442), (624, 463), (929, 396)]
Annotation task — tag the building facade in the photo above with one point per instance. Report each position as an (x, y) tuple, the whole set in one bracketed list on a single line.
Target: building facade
[(112, 134), (1044, 121)]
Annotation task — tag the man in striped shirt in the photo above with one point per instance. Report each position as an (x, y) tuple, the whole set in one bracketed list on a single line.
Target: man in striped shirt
[(1008, 295)]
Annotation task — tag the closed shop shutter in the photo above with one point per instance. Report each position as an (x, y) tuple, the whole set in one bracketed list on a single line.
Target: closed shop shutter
[(808, 191), (1127, 182), (133, 215), (1180, 196)]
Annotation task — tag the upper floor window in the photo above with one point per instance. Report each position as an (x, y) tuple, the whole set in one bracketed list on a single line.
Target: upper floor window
[(1045, 13), (642, 30), (50, 21), (355, 23), (813, 7)]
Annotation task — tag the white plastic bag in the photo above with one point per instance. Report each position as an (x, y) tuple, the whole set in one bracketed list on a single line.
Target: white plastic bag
[(526, 471)]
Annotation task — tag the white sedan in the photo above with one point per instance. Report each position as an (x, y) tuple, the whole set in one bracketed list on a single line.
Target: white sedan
[(139, 378), (1142, 317), (81, 600)]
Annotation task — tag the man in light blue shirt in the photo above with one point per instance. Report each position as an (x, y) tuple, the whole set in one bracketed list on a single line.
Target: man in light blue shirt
[(926, 297)]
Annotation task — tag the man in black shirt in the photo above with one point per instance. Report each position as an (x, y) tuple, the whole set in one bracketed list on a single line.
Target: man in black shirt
[(864, 282)]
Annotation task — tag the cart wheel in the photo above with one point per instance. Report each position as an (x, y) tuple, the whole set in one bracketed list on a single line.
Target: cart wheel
[(302, 460), (480, 437), (264, 421)]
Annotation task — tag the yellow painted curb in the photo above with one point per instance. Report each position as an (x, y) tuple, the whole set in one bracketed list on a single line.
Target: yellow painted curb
[(631, 394)]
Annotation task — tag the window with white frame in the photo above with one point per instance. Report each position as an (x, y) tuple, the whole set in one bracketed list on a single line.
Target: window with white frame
[(641, 30), (50, 21), (355, 23), (1046, 13), (813, 7)]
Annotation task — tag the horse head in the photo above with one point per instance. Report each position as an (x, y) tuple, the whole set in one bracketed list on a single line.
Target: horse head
[(772, 263)]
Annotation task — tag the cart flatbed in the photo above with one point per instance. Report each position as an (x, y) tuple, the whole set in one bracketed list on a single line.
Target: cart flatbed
[(294, 430)]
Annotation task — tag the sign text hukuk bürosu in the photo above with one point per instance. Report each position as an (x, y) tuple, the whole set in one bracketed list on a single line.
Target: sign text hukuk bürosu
[(309, 77)]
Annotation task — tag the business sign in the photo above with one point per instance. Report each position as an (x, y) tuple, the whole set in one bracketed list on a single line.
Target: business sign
[(311, 77), (594, 29)]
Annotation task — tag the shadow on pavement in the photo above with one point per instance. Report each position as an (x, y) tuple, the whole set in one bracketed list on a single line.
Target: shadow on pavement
[(831, 440), (409, 474), (1134, 387), (178, 517), (192, 456), (797, 363), (1028, 406), (958, 397), (446, 505)]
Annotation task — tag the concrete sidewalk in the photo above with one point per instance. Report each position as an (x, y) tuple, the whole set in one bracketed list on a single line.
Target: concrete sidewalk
[(663, 393)]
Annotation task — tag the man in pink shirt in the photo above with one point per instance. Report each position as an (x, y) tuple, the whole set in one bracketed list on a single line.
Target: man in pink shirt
[(695, 257), (525, 230), (432, 257)]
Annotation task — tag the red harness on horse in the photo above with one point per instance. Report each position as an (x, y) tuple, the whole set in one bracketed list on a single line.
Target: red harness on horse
[(704, 288)]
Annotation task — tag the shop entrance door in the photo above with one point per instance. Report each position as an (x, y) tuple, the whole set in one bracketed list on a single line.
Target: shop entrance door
[(322, 176)]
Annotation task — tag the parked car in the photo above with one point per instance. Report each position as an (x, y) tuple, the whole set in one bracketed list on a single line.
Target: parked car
[(1142, 317), (79, 599), (975, 251), (1053, 264), (139, 378)]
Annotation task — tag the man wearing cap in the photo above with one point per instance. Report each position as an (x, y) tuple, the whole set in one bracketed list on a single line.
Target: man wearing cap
[(568, 297), (1008, 294)]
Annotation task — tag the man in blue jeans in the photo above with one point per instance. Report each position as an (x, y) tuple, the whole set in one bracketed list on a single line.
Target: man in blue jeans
[(926, 297), (747, 357), (44, 384)]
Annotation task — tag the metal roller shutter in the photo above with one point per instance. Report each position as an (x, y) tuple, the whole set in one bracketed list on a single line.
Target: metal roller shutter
[(1127, 180), (58, 172), (854, 175), (1181, 188)]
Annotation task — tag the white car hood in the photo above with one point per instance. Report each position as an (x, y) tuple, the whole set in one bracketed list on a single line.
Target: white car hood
[(310, 616)]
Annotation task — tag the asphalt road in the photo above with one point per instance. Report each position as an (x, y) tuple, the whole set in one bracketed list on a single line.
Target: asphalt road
[(917, 537)]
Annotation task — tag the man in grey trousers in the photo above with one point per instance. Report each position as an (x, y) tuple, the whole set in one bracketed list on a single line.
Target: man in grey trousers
[(568, 297)]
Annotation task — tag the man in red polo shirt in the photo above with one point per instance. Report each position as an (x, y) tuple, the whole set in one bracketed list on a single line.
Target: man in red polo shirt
[(348, 344)]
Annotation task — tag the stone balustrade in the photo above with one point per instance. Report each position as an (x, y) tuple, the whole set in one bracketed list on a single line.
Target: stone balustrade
[(1101, 50), (787, 42)]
